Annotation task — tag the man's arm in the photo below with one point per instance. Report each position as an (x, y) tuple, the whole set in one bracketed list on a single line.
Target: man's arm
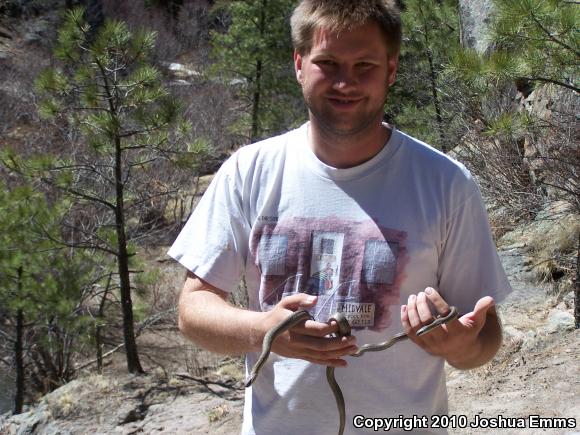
[(207, 319), (467, 342)]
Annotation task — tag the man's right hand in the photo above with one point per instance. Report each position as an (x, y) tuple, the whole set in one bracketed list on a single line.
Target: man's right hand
[(308, 340), (207, 319)]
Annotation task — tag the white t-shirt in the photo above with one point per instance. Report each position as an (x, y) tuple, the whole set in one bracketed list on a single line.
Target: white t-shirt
[(363, 239)]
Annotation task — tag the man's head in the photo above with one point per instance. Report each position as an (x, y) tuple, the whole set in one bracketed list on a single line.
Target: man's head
[(343, 15)]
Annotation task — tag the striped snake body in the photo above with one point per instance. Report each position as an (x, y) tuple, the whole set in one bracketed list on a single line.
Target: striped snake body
[(344, 329)]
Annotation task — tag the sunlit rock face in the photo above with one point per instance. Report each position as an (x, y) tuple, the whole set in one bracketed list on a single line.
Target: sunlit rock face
[(475, 18)]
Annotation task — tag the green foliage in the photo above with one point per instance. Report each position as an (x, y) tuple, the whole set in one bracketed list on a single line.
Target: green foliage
[(107, 89), (44, 281), (18, 209), (510, 126), (535, 40), (522, 157), (255, 56), (106, 85), (416, 102), (197, 152), (540, 37)]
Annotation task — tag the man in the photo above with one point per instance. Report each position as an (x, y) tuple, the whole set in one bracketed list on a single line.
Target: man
[(392, 218)]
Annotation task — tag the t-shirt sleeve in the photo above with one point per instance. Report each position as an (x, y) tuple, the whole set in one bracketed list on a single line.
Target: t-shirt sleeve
[(213, 243), (469, 266)]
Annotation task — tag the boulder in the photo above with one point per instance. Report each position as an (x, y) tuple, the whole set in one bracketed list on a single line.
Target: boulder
[(475, 17)]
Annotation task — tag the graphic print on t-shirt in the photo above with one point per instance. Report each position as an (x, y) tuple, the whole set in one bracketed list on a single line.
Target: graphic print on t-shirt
[(354, 267)]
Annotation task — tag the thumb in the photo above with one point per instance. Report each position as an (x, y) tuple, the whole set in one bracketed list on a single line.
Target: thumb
[(477, 317), (298, 300)]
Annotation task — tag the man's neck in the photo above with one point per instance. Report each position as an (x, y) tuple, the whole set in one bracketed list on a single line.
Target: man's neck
[(347, 151)]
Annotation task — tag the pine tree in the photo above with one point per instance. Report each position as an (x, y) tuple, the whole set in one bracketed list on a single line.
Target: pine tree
[(525, 157), (537, 41), (255, 55), (418, 104), (42, 289), (107, 91)]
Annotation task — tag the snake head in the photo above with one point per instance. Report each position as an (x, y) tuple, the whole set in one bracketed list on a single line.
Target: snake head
[(250, 380), (344, 328)]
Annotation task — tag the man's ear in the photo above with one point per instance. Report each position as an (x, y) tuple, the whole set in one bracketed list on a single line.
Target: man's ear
[(392, 64), (298, 66)]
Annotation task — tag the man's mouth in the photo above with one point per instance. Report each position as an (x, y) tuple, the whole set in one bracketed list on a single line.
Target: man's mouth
[(344, 102)]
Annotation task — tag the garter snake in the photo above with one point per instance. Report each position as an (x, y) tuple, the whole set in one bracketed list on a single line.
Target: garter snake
[(344, 329)]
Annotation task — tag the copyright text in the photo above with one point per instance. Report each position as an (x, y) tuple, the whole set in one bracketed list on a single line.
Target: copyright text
[(409, 424)]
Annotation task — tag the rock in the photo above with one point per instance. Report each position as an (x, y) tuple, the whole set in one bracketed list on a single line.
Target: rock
[(559, 321), (180, 71), (568, 300), (474, 18), (135, 414), (37, 421), (530, 339), (512, 333)]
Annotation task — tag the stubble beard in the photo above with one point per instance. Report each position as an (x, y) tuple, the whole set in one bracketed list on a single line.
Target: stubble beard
[(336, 127)]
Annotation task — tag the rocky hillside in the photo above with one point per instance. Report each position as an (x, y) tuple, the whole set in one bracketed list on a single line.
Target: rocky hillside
[(535, 373), (187, 390)]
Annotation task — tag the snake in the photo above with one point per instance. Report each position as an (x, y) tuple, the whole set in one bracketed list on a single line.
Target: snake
[(344, 329)]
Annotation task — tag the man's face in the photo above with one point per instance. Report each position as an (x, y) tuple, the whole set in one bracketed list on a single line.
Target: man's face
[(345, 79)]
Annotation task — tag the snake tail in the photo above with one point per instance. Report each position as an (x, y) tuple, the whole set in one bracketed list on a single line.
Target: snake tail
[(338, 397), (289, 322), (250, 380), (440, 320)]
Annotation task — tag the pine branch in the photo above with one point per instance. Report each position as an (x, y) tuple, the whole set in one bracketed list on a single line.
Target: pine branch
[(552, 37), (112, 351), (7, 337), (553, 81), (80, 194)]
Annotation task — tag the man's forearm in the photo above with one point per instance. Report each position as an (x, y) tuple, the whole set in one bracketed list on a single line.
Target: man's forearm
[(212, 323), (485, 347)]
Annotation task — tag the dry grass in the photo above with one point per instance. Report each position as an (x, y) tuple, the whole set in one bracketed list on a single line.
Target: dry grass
[(218, 413), (552, 248), (63, 406)]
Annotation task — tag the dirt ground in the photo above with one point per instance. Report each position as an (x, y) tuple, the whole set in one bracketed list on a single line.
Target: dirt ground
[(533, 379), (536, 373)]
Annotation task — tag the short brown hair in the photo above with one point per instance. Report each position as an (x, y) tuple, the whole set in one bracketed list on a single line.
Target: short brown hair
[(341, 15)]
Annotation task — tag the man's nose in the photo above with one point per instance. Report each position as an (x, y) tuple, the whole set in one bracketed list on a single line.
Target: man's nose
[(345, 78)]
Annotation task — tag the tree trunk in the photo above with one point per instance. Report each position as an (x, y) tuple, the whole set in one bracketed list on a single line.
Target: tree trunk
[(256, 131), (99, 345), (256, 102), (19, 354), (577, 287), (99, 328), (433, 83), (133, 364), (439, 117)]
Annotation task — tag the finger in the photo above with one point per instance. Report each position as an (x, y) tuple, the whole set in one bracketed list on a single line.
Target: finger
[(326, 344), (423, 309), (308, 350), (326, 356), (315, 329), (298, 300), (426, 317), (413, 315), (483, 306), (405, 320), (477, 318), (336, 362), (441, 306)]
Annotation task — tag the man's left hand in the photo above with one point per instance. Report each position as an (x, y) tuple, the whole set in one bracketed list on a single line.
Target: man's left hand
[(465, 342)]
